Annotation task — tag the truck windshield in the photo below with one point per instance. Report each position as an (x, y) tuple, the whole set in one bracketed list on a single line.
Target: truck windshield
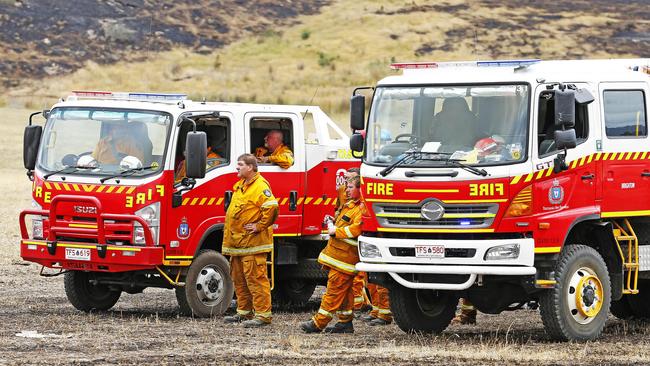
[(94, 141), (473, 124)]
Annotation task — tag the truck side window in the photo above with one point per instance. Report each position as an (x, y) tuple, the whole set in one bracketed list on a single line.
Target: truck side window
[(261, 126), (546, 124), (217, 131), (625, 113)]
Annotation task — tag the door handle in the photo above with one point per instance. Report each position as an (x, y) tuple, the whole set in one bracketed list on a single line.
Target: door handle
[(293, 200), (588, 176), (645, 174)]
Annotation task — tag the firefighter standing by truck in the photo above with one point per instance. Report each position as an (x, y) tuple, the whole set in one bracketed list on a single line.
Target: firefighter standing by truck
[(340, 256), (248, 238)]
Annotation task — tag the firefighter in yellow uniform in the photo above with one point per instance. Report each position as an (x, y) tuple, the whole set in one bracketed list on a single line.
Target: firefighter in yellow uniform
[(467, 315), (247, 239), (361, 300), (274, 150), (340, 256), (380, 313)]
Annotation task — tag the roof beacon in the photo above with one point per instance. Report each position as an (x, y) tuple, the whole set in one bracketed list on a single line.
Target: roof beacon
[(435, 65), (153, 97)]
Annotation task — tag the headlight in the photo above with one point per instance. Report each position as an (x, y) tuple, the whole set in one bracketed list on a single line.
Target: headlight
[(150, 214), (37, 222), (368, 250), (508, 251)]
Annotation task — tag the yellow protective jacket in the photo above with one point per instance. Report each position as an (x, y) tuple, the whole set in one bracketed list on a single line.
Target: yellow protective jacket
[(341, 250), (108, 150), (282, 156), (250, 203)]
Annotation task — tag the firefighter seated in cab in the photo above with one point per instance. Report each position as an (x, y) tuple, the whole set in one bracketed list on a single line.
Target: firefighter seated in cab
[(213, 159), (340, 256), (117, 144), (274, 150)]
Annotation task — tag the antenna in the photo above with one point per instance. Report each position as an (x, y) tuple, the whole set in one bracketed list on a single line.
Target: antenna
[(310, 101), (476, 44)]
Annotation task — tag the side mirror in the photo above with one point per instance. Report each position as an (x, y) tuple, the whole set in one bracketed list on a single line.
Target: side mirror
[(565, 108), (356, 142), (357, 112), (565, 139), (31, 142), (196, 145)]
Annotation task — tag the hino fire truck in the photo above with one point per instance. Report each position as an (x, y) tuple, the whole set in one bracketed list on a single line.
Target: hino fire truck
[(111, 212), (506, 183)]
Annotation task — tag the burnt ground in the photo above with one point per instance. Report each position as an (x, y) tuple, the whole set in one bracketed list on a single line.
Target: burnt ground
[(50, 37)]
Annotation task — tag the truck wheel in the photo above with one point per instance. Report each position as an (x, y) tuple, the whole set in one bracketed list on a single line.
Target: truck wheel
[(86, 296), (292, 292), (621, 308), (577, 307), (208, 286), (639, 304), (426, 311)]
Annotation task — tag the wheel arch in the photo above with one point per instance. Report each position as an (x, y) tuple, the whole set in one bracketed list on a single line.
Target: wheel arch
[(212, 238)]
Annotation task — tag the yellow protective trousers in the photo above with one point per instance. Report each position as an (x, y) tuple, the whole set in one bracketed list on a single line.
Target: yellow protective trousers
[(338, 299), (252, 287), (358, 289), (380, 302)]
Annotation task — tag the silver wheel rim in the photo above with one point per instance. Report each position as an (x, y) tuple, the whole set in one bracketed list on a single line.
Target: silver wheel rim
[(584, 295), (210, 286)]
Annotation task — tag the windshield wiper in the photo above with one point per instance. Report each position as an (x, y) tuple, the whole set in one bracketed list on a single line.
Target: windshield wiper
[(128, 171), (415, 155), (75, 168), (457, 163)]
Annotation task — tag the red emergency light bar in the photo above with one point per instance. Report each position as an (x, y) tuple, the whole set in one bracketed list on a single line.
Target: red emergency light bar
[(435, 65)]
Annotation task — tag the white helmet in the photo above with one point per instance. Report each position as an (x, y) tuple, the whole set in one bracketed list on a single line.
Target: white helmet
[(130, 162), (87, 161)]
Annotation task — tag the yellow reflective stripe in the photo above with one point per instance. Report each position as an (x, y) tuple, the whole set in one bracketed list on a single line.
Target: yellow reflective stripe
[(251, 250), (322, 311), (348, 232), (543, 250), (375, 307), (516, 179), (263, 315), (243, 312), (351, 242), (385, 311), (337, 263), (344, 312), (270, 203), (625, 213), (358, 299)]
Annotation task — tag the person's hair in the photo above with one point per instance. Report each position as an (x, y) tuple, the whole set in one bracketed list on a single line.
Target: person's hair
[(277, 132), (356, 180), (354, 170), (248, 159)]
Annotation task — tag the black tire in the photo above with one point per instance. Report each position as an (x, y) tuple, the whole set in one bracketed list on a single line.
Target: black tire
[(621, 308), (569, 314), (308, 269), (289, 292), (86, 296), (425, 311), (208, 286), (640, 303)]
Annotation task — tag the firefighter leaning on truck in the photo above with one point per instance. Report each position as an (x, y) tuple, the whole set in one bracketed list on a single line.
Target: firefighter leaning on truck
[(340, 256), (248, 238)]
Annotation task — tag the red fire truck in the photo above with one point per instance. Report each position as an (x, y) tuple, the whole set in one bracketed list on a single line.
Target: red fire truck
[(509, 182), (109, 212)]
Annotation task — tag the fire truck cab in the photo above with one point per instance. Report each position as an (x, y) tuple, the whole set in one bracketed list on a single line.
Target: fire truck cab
[(505, 183), (130, 191)]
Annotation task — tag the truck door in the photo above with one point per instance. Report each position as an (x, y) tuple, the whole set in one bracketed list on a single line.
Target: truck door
[(577, 186), (287, 184), (626, 170)]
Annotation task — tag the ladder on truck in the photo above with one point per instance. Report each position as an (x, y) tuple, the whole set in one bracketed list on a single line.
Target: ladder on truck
[(628, 248)]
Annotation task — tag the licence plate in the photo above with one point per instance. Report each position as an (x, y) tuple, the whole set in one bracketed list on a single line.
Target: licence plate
[(77, 254), (429, 251)]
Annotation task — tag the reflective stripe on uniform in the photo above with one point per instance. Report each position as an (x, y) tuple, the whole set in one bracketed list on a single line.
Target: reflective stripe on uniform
[(244, 251), (243, 312), (375, 308), (351, 242), (344, 312), (467, 307), (270, 203), (326, 313), (358, 299), (337, 263), (263, 315), (348, 232), (385, 311)]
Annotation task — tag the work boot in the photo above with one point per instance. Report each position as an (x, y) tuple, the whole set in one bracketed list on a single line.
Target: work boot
[(367, 318), (378, 321), (255, 323), (237, 318), (340, 328), (465, 318), (309, 327)]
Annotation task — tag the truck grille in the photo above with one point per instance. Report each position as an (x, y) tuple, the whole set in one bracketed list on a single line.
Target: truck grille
[(456, 216)]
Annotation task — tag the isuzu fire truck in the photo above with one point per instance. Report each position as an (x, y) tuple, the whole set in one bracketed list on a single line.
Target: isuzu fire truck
[(507, 182), (109, 212)]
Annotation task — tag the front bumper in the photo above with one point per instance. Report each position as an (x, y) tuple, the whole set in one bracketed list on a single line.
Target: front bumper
[(473, 265)]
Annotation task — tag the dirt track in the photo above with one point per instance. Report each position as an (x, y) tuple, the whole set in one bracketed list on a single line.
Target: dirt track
[(146, 329)]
